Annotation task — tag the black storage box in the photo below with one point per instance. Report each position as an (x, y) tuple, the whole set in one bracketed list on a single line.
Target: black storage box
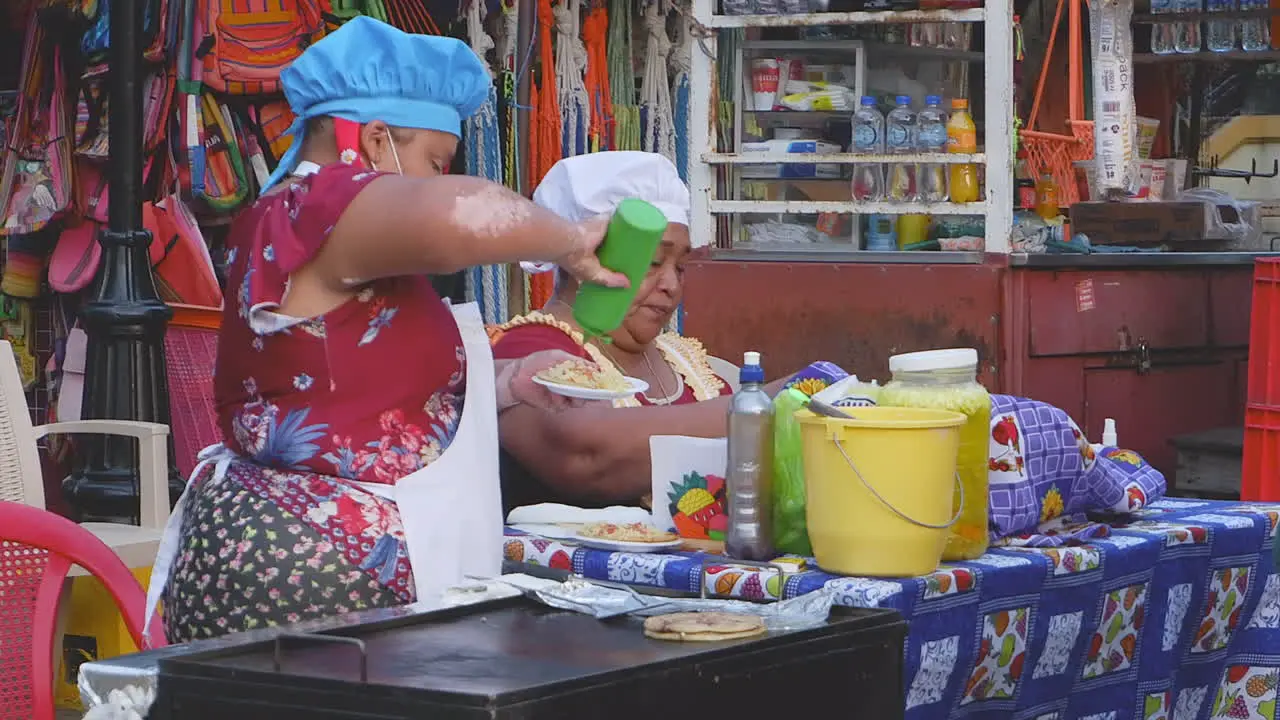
[(516, 658)]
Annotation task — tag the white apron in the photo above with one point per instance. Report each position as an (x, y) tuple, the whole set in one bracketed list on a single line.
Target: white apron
[(451, 510)]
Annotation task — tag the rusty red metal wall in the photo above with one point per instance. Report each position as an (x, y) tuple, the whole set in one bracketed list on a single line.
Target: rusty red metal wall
[(853, 314), (1161, 350)]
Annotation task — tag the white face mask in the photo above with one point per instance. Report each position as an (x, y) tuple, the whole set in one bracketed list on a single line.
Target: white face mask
[(394, 155)]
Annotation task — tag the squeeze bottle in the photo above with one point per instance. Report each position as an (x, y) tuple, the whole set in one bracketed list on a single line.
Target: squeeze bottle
[(629, 246)]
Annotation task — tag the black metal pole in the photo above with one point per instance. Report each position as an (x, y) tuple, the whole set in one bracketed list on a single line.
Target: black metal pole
[(124, 319)]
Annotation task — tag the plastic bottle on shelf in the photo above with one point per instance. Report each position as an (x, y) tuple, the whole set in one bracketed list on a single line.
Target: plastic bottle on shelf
[(1221, 33), (1162, 32), (882, 234), (931, 137), (868, 139), (1255, 33), (1047, 197), (900, 139), (962, 137), (1024, 185), (1186, 35)]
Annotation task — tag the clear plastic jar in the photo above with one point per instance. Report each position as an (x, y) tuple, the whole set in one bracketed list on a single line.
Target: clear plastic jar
[(948, 380)]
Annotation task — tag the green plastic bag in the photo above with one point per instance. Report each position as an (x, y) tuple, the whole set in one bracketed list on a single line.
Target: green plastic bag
[(790, 529)]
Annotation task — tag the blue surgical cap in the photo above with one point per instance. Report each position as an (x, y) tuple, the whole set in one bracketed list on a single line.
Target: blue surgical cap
[(367, 70)]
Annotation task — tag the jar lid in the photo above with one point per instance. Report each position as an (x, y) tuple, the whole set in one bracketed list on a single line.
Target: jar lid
[(950, 359)]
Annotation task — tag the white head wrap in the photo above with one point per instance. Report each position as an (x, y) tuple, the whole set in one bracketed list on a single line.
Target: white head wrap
[(584, 186)]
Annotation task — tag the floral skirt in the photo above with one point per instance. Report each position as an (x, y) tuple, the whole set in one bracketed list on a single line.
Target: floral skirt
[(262, 547)]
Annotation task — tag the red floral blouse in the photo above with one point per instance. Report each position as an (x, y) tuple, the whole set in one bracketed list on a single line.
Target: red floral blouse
[(370, 391)]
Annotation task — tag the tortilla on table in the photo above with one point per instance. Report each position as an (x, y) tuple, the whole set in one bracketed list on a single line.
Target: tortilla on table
[(703, 626)]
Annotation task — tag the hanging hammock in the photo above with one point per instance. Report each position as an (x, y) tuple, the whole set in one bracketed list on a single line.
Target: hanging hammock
[(486, 284), (657, 121), (680, 66), (507, 57), (599, 94), (545, 119), (622, 77), (571, 69)]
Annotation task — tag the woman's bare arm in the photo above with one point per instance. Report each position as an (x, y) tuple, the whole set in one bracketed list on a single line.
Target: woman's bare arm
[(408, 226), (599, 453)]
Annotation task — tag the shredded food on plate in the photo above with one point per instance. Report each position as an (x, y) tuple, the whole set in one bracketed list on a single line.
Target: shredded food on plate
[(583, 374), (627, 532)]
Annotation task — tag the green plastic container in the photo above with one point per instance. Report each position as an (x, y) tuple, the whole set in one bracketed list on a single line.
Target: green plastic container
[(630, 244)]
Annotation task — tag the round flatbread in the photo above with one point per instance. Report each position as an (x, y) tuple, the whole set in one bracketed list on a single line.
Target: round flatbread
[(703, 627)]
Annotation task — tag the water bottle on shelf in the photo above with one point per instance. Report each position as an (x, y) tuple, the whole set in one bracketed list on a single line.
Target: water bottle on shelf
[(931, 137), (1255, 33), (1221, 33), (1162, 32), (900, 139), (749, 480), (1186, 35), (868, 139)]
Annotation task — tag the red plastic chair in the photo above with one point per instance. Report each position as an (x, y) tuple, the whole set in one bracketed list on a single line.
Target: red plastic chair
[(37, 548)]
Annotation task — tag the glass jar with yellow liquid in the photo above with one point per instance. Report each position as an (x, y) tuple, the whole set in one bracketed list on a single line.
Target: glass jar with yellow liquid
[(948, 380)]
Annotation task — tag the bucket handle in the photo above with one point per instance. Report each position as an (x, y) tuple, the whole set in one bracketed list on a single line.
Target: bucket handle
[(889, 505)]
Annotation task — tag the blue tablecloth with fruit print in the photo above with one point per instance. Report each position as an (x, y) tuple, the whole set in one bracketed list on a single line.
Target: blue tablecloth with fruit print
[(1174, 615)]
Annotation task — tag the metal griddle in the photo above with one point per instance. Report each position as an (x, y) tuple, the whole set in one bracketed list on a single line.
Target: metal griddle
[(516, 658)]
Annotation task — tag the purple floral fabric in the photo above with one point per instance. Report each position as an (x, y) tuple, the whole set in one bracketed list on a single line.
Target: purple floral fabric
[(1044, 475)]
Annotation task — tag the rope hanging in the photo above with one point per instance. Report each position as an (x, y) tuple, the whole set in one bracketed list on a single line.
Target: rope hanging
[(507, 56), (622, 77), (486, 284), (571, 69), (595, 32), (657, 123), (680, 66), (547, 136)]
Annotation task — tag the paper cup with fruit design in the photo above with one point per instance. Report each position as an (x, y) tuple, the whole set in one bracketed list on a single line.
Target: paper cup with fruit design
[(688, 485)]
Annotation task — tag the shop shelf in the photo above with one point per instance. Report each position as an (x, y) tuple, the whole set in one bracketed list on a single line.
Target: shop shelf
[(848, 18), (768, 158), (810, 207)]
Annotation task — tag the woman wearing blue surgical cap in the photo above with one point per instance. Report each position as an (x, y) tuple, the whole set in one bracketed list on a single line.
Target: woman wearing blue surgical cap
[(350, 475)]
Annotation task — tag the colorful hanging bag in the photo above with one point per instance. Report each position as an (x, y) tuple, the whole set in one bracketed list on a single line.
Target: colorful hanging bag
[(246, 43)]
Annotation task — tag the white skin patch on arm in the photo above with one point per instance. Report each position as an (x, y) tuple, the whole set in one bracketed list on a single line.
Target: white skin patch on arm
[(490, 212)]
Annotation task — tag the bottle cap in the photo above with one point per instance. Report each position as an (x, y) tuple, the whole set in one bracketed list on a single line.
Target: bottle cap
[(903, 99), (932, 99), (868, 100), (951, 359), (960, 104), (750, 358)]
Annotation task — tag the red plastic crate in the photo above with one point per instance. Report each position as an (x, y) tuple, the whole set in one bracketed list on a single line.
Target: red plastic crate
[(1264, 334), (1261, 472), (1260, 475)]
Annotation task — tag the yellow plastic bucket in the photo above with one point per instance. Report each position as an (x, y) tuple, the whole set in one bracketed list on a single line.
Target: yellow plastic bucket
[(880, 488)]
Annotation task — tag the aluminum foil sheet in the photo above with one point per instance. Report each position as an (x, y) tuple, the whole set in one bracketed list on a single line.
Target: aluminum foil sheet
[(602, 601)]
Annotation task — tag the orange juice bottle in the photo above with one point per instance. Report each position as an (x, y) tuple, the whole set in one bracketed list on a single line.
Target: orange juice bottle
[(1047, 197), (962, 137)]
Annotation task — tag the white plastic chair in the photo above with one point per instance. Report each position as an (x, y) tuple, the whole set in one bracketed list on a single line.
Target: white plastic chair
[(725, 370), (21, 475)]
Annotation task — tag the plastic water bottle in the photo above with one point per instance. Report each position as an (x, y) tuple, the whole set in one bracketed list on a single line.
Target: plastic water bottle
[(900, 139), (931, 137), (1222, 33), (1186, 35), (1255, 33), (868, 139), (1162, 32), (749, 481)]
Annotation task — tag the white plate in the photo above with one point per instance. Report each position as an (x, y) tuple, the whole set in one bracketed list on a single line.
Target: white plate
[(581, 393), (620, 546)]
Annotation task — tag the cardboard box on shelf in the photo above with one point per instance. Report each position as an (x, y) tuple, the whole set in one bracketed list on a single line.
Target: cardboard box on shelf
[(1140, 223)]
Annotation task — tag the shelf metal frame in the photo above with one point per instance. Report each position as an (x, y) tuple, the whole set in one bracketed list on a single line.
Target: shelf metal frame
[(997, 20)]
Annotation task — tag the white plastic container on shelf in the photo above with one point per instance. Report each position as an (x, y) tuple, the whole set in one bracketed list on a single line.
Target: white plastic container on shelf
[(789, 170)]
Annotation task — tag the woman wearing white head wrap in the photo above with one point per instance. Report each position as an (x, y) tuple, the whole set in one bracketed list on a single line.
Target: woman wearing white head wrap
[(600, 454)]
